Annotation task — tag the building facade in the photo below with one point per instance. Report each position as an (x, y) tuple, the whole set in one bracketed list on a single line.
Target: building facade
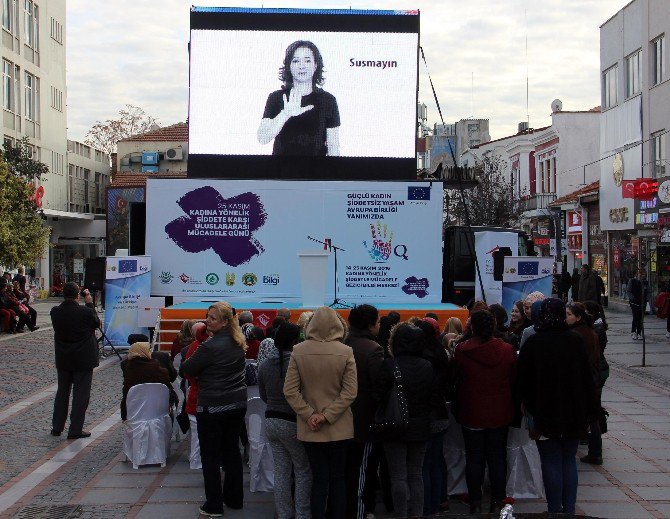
[(634, 123)]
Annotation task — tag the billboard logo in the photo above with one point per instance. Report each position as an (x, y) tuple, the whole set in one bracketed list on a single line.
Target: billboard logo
[(416, 286), (230, 279), (184, 278), (528, 268), (127, 266), (249, 279), (418, 193), (166, 277), (272, 279), (212, 278)]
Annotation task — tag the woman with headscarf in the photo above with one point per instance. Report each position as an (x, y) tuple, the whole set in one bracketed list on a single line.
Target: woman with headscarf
[(288, 453), (218, 364), (531, 309), (140, 368), (558, 397), (485, 367), (320, 386), (405, 452)]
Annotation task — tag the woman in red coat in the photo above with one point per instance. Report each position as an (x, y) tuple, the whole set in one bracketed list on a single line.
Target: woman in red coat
[(484, 369)]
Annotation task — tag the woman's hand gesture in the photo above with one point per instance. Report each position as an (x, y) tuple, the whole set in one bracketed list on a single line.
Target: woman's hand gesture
[(292, 104)]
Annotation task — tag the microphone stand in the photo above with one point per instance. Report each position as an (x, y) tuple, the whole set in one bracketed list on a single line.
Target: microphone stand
[(336, 301)]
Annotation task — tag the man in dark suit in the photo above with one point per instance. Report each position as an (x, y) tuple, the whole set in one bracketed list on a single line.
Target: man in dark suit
[(76, 351)]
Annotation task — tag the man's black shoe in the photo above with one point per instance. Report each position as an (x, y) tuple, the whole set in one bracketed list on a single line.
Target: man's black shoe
[(54, 432), (206, 511), (591, 460), (34, 328), (82, 434)]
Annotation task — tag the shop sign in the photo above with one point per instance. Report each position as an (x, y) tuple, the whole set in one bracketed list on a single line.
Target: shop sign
[(575, 242), (664, 227), (616, 257), (541, 241), (574, 222), (646, 213), (619, 215)]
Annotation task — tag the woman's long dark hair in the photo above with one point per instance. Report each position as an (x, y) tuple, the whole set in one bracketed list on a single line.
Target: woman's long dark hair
[(579, 310), (285, 75), (386, 323), (287, 336)]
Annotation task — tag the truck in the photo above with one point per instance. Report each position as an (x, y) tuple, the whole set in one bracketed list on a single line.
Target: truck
[(458, 261)]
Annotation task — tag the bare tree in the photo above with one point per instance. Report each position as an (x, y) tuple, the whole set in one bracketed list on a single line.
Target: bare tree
[(491, 202), (132, 120)]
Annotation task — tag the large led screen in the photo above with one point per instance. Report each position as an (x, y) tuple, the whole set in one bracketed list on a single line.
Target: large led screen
[(282, 93)]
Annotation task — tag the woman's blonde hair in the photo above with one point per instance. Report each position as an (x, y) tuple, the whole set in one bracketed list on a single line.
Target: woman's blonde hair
[(304, 319), (225, 312), (453, 325)]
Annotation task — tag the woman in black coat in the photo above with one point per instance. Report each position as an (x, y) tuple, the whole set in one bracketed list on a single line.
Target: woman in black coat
[(405, 453), (558, 396)]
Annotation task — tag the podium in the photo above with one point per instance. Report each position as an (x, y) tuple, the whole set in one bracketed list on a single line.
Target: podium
[(313, 276)]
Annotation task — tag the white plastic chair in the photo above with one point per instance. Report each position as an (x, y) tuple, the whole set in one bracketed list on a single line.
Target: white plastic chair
[(148, 428), (261, 464)]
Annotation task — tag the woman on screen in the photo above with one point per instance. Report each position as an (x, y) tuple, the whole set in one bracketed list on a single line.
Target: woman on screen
[(301, 117)]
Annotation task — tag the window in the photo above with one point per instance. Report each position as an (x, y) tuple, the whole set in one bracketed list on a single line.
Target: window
[(7, 96), (17, 90), (633, 74), (30, 96), (609, 87), (7, 10), (658, 54), (56, 99), (31, 24), (659, 154), (56, 31)]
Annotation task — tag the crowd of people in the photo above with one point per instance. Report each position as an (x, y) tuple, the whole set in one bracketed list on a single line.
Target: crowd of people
[(16, 314), (328, 384)]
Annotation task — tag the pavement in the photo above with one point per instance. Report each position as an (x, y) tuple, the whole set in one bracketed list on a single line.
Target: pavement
[(46, 477)]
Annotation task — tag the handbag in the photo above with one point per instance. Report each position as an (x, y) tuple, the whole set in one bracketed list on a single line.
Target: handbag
[(603, 371), (184, 422), (602, 420), (392, 418)]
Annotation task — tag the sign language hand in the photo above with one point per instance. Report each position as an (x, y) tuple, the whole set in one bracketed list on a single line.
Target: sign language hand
[(292, 104), (380, 250)]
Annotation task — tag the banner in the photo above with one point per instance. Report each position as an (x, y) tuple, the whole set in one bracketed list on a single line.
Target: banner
[(490, 245), (523, 275), (241, 238), (127, 279)]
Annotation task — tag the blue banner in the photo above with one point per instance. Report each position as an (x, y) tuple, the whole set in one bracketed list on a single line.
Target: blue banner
[(127, 279)]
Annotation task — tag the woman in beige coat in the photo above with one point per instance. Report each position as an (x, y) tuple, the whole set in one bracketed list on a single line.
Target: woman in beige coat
[(320, 386)]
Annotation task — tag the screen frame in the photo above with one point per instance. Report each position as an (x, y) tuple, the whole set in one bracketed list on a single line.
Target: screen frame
[(236, 166)]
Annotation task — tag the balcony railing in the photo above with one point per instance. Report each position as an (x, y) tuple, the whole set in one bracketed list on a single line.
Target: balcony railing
[(537, 201)]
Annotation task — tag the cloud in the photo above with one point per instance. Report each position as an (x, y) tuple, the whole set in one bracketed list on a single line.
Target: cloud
[(136, 52)]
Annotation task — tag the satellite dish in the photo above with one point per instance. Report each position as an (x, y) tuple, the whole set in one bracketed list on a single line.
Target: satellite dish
[(556, 105)]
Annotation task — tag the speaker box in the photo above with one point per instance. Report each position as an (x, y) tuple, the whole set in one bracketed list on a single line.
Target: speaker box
[(137, 223), (94, 276)]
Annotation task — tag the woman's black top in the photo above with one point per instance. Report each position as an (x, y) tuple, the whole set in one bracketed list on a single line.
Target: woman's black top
[(304, 134)]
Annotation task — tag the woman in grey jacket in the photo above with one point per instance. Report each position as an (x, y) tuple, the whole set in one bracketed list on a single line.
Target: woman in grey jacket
[(288, 452), (218, 364)]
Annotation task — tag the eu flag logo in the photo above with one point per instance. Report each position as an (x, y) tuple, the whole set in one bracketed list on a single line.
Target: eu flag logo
[(528, 268), (418, 193), (127, 266)]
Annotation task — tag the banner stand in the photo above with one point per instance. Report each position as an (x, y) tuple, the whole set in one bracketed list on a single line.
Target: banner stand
[(313, 276)]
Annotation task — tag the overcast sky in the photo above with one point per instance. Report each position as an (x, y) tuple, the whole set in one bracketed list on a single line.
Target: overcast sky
[(130, 51)]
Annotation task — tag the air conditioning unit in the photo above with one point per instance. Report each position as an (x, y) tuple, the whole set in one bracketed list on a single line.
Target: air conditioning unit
[(174, 154), (136, 159)]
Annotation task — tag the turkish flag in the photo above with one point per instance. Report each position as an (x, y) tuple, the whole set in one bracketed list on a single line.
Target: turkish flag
[(628, 189)]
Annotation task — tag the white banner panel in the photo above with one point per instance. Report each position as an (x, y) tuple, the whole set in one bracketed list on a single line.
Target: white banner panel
[(242, 238), (486, 243)]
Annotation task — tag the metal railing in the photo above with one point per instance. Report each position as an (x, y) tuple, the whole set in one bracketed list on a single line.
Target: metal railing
[(537, 201)]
